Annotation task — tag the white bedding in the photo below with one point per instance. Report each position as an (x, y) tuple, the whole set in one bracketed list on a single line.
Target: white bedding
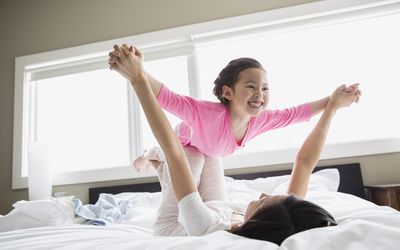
[(362, 225)]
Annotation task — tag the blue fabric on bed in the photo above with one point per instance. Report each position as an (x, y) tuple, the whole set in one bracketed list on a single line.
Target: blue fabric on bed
[(108, 209)]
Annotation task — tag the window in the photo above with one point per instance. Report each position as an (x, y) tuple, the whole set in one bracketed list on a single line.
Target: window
[(95, 127), (307, 64), (83, 118)]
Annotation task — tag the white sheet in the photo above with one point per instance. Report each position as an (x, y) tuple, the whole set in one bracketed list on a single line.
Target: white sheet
[(144, 206), (362, 225)]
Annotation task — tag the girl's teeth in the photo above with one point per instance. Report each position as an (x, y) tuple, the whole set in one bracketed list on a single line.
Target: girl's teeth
[(255, 104)]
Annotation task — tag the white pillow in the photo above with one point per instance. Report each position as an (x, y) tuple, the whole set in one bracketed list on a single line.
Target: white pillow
[(322, 180), (27, 214), (141, 198), (242, 191)]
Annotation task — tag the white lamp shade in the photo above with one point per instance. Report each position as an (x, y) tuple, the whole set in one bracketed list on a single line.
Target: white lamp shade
[(39, 171)]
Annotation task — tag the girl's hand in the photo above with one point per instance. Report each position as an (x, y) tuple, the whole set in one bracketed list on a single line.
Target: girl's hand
[(351, 87), (128, 61), (344, 96)]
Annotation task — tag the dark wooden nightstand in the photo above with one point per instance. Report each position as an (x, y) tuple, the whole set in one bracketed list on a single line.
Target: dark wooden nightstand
[(385, 195)]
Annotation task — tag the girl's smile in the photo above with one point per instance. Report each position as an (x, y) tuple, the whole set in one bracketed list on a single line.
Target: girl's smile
[(250, 94)]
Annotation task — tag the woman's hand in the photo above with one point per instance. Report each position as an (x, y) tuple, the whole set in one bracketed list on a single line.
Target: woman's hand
[(128, 61), (344, 96)]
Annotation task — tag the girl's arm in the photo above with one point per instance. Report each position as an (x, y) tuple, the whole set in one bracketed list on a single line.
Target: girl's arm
[(319, 105), (181, 106), (309, 153), (181, 176)]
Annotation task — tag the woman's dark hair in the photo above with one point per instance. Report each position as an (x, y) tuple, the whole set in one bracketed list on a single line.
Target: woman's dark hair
[(284, 218), (230, 74)]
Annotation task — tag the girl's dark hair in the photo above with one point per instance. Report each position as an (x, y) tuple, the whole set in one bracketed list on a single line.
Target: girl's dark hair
[(230, 74), (284, 218)]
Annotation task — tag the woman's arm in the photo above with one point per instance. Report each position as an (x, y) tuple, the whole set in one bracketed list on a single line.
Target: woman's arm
[(181, 176), (309, 153)]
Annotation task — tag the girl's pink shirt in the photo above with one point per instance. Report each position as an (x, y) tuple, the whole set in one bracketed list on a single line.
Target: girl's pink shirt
[(206, 125)]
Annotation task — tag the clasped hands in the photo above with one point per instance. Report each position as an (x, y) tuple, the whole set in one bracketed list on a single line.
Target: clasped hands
[(128, 61)]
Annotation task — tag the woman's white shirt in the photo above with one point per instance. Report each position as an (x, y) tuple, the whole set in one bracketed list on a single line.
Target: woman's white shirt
[(199, 218)]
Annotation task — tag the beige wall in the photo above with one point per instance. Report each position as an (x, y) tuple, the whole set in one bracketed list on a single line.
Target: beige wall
[(29, 27)]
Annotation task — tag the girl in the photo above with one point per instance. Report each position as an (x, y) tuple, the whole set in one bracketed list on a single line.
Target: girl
[(271, 218), (219, 129)]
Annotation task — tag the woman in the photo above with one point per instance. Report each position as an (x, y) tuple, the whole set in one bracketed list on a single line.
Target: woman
[(271, 218)]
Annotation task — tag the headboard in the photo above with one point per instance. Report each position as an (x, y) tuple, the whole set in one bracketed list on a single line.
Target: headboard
[(350, 182)]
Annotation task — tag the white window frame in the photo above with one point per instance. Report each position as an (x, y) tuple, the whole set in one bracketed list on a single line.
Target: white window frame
[(183, 41)]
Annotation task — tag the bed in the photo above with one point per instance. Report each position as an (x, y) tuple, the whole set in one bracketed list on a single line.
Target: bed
[(339, 189)]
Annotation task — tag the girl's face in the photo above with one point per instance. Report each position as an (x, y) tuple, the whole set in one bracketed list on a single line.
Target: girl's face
[(250, 94), (263, 201)]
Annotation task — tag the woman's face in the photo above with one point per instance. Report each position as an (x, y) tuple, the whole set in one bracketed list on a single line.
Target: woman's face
[(263, 201)]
